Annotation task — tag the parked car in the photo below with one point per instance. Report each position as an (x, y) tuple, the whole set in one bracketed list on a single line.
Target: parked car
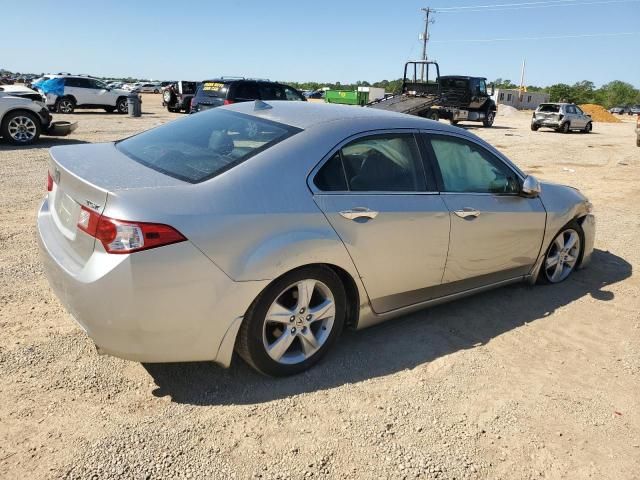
[(316, 94), (115, 85), (217, 92), (621, 110), (177, 97), (24, 116), (635, 110), (65, 93), (562, 117), (269, 226), (153, 87)]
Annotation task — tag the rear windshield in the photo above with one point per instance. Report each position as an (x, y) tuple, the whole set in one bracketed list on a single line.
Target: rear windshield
[(203, 145), (212, 88), (188, 88), (547, 107)]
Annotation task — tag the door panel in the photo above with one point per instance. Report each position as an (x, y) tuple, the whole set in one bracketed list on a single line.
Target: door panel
[(399, 253), (496, 233), (504, 238)]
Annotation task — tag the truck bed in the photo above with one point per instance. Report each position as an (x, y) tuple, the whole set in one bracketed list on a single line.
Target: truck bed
[(405, 103)]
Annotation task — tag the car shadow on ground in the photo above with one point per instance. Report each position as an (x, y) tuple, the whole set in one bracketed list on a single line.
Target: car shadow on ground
[(43, 142), (396, 345)]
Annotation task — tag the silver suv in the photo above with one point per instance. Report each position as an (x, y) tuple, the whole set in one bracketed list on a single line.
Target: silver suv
[(562, 117)]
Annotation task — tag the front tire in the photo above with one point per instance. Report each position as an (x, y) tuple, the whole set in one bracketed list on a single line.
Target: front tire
[(566, 127), (21, 128), (588, 127), (293, 322), (563, 255), (122, 106)]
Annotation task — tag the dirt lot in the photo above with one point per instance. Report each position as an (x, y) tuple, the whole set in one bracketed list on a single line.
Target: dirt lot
[(518, 383)]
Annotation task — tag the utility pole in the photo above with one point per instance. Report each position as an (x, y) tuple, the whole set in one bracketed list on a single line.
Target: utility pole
[(425, 37)]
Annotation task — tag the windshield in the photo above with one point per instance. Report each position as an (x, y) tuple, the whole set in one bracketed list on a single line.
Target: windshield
[(204, 145)]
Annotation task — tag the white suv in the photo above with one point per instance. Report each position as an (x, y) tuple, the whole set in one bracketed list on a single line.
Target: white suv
[(65, 93)]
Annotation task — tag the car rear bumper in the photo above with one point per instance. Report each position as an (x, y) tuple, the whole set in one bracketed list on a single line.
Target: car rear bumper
[(547, 123), (169, 304)]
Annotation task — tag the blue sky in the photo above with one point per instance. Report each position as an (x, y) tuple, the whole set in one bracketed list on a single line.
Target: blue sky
[(327, 40)]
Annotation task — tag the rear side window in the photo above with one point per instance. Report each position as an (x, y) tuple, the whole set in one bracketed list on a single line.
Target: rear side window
[(202, 146), (377, 163), (547, 108), (245, 91), (330, 178)]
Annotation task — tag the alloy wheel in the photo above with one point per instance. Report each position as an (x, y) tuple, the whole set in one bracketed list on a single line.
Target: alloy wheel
[(299, 322), (66, 106), (562, 256), (22, 129)]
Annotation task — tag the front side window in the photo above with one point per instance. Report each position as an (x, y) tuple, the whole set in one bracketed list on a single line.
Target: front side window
[(466, 167), (202, 146), (377, 163), (270, 91)]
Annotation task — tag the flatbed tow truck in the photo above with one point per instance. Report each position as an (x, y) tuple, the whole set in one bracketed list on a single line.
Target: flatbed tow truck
[(426, 94)]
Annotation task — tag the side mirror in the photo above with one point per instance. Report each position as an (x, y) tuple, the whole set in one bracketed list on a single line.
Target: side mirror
[(531, 187), (493, 90)]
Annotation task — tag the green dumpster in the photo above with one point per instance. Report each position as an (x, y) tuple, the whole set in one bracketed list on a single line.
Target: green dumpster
[(361, 96)]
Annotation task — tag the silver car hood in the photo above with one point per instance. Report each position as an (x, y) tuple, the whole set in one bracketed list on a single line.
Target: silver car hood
[(104, 166)]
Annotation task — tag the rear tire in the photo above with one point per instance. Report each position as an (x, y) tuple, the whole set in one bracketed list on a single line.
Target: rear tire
[(65, 105), (122, 106), (488, 120), (534, 127), (454, 122), (275, 324)]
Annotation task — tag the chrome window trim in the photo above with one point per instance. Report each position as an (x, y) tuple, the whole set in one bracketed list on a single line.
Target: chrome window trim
[(316, 191)]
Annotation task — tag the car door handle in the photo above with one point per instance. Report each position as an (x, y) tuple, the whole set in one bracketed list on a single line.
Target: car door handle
[(359, 212), (467, 212)]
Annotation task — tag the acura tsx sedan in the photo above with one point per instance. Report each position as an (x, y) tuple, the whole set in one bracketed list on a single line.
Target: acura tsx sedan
[(267, 228)]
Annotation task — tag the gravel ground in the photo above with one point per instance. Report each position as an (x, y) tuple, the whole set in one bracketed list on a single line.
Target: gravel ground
[(518, 383)]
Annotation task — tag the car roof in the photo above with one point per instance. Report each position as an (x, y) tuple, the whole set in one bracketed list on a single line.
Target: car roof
[(307, 115)]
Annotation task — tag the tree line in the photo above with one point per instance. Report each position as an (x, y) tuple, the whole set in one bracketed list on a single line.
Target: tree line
[(612, 94)]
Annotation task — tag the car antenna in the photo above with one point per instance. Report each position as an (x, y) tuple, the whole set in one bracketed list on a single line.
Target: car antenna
[(260, 105)]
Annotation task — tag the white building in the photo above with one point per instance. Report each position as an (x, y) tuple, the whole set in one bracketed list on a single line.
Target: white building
[(519, 100)]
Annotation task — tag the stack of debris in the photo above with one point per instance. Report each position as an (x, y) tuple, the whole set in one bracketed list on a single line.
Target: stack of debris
[(598, 113)]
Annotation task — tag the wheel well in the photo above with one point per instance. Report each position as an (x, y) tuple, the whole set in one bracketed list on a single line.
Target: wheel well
[(67, 96), (23, 110), (351, 289)]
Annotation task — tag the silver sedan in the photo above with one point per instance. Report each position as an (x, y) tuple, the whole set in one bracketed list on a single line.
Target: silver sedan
[(270, 227)]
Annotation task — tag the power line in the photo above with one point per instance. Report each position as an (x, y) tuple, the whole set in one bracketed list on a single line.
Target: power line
[(525, 5), (547, 37)]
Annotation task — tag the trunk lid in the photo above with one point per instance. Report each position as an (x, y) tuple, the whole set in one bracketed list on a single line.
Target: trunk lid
[(83, 176)]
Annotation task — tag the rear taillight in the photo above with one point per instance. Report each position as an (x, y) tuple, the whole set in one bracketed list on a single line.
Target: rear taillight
[(49, 182), (118, 236), (228, 102)]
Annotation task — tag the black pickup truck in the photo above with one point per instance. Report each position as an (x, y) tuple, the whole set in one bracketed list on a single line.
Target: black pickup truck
[(454, 97)]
